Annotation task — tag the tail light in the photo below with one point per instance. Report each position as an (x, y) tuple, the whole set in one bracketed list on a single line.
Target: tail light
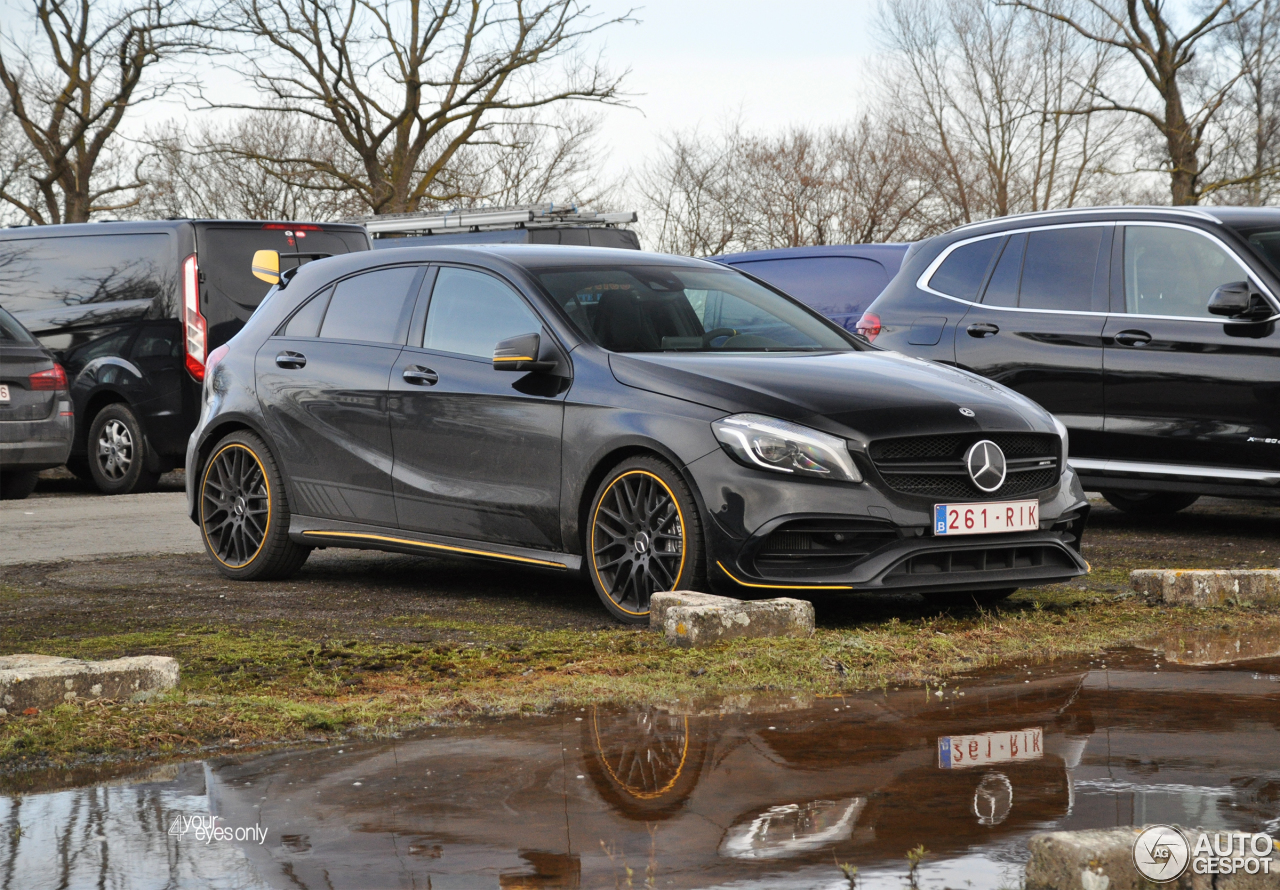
[(53, 378), (197, 328), (869, 326)]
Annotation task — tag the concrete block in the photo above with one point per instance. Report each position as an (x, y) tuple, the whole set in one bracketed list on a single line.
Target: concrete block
[(690, 619), (42, 681), (1205, 588)]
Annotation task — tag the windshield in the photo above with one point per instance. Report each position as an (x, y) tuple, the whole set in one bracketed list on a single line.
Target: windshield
[(670, 309)]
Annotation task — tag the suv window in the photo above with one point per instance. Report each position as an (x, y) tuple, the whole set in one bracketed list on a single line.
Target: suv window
[(1174, 271), (964, 270), (835, 286), (368, 306), (1002, 290), (1060, 268), (471, 311)]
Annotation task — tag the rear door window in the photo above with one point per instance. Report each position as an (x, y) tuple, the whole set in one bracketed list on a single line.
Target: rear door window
[(369, 306), (1060, 269), (1174, 271), (965, 268)]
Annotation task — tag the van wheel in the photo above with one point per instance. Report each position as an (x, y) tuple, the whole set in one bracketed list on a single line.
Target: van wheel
[(244, 514), (118, 452), (16, 486), (1150, 503), (643, 536)]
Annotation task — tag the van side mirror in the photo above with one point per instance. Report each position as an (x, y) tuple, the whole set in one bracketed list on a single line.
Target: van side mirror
[(522, 353), (1239, 300), (266, 266)]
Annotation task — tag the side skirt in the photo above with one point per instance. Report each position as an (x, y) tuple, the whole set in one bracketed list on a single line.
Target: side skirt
[(318, 532)]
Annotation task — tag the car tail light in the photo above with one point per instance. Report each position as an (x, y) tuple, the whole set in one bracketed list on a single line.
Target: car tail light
[(869, 326), (53, 378), (294, 227), (216, 356), (197, 328)]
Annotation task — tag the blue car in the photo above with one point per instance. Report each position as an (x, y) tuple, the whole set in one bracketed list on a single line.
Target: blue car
[(840, 280)]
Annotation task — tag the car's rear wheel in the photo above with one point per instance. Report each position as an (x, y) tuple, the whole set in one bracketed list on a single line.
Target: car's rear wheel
[(14, 486), (644, 536), (1150, 503), (118, 452), (244, 514), (969, 598)]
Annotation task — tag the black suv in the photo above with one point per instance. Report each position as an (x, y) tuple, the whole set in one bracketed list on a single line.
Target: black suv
[(655, 422), (1150, 332), (131, 310)]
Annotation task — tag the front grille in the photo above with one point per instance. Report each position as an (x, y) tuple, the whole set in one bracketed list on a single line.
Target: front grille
[(982, 559), (933, 466), (822, 544)]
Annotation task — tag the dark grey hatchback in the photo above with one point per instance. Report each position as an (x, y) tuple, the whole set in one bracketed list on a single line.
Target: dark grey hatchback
[(652, 422)]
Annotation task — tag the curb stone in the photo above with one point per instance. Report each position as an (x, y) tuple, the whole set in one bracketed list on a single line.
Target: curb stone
[(689, 619), (43, 681), (1205, 588)]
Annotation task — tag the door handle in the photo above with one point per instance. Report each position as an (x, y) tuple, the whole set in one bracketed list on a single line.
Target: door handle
[(420, 376), (291, 360), (1133, 338), (982, 330)]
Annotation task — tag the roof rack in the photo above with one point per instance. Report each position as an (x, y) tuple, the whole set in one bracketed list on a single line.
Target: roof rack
[(1075, 211), (533, 216)]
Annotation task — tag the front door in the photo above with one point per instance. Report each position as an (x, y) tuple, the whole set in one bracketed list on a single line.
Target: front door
[(322, 383), (477, 451), (1038, 327), (1183, 386)]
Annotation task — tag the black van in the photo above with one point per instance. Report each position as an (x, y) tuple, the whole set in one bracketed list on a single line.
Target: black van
[(131, 310)]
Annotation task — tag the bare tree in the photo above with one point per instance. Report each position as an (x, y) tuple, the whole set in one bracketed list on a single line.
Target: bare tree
[(69, 85), (1249, 132), (693, 196), (407, 84), (1185, 105)]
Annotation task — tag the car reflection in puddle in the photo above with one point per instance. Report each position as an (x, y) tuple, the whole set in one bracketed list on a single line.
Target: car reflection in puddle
[(750, 792)]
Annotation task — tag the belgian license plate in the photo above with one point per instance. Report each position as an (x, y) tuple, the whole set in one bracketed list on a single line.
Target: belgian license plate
[(986, 519), (961, 751), (4, 392)]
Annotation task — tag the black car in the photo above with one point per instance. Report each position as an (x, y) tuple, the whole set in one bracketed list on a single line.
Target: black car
[(36, 423), (653, 422), (131, 310), (1150, 332)]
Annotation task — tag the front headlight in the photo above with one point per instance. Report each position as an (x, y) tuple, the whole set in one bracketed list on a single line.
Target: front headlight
[(1062, 431), (783, 447)]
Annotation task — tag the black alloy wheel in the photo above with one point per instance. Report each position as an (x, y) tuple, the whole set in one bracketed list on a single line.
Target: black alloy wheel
[(244, 516), (644, 537), (118, 452)]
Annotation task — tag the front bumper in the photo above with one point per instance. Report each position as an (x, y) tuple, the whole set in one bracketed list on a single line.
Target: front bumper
[(746, 507)]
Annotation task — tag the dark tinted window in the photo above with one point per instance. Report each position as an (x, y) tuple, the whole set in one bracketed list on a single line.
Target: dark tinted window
[(159, 341), (12, 332), (1059, 269), (1002, 290), (368, 306), (963, 271), (226, 255), (49, 283), (835, 286), (112, 344), (471, 311), (306, 321)]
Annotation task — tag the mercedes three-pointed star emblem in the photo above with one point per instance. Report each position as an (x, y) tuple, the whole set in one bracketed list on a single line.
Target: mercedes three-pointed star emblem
[(986, 465)]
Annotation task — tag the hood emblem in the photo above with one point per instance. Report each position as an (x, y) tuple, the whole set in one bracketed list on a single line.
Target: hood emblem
[(967, 412), (986, 465)]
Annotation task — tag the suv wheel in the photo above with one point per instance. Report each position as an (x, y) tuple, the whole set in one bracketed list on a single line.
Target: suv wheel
[(118, 452), (1150, 503), (16, 486), (643, 536), (244, 514)]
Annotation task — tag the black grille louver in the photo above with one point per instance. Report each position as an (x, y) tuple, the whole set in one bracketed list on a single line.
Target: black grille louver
[(933, 466)]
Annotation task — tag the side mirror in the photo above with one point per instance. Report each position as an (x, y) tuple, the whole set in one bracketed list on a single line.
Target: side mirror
[(266, 266), (522, 353), (1239, 300)]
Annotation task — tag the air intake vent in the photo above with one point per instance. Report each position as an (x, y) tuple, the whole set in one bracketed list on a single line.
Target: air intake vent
[(822, 544)]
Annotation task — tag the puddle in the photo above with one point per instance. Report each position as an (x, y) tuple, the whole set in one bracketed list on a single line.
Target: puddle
[(744, 794)]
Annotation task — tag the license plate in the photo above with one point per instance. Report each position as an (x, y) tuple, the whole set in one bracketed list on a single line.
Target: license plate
[(986, 519), (4, 393), (962, 751)]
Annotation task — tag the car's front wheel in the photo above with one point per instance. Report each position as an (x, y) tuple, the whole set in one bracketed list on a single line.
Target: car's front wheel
[(244, 514), (1150, 503), (644, 536)]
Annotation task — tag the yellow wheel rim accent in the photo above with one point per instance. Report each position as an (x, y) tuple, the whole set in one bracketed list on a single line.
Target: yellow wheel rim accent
[(204, 482), (684, 534)]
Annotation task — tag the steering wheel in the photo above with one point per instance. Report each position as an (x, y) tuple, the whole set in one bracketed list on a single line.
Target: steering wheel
[(718, 332)]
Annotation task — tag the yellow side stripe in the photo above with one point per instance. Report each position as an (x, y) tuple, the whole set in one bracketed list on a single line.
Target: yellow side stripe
[(466, 550), (785, 586)]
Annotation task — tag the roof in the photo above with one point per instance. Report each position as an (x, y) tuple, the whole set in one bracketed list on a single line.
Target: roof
[(892, 251), (125, 227)]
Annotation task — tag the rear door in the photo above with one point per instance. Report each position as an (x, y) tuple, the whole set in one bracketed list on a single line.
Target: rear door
[(1038, 326), (322, 382), (1184, 386)]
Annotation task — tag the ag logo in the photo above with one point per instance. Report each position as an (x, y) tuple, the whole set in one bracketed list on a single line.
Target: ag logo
[(985, 462), (1161, 853)]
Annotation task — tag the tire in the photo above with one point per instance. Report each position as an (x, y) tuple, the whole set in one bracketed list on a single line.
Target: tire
[(16, 486), (119, 452), (244, 514), (623, 564), (969, 599), (1150, 503)]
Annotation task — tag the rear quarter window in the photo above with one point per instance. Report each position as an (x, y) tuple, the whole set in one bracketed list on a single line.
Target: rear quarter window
[(965, 268)]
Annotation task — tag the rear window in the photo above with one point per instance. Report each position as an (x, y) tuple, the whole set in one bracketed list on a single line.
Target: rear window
[(964, 270), (838, 287), (12, 332), (226, 255)]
